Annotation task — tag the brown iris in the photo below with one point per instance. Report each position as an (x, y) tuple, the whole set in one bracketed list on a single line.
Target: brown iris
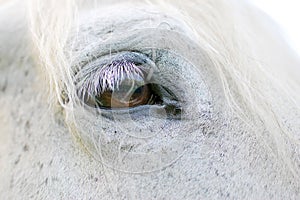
[(130, 93)]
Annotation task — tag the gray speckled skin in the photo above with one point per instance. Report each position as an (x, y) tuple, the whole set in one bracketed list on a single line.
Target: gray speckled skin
[(215, 156)]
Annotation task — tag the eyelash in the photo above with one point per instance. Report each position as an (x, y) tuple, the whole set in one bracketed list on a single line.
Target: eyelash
[(110, 77), (107, 74)]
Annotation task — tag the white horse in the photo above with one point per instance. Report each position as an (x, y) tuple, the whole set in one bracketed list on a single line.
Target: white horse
[(146, 100)]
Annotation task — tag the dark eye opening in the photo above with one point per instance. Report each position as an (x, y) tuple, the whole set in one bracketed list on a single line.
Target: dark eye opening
[(148, 94), (128, 96)]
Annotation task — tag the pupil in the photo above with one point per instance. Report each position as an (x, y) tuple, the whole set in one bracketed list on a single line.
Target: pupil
[(138, 91)]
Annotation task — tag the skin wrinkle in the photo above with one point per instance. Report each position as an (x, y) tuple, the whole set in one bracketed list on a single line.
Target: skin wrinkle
[(92, 34), (214, 156)]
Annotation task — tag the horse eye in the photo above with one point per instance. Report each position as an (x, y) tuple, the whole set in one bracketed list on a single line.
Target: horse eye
[(124, 80), (130, 93)]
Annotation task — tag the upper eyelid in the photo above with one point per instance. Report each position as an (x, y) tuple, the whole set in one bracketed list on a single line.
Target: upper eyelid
[(136, 41), (172, 41), (90, 44)]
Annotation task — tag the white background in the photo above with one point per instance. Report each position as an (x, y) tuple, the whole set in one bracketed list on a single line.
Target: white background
[(286, 13)]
